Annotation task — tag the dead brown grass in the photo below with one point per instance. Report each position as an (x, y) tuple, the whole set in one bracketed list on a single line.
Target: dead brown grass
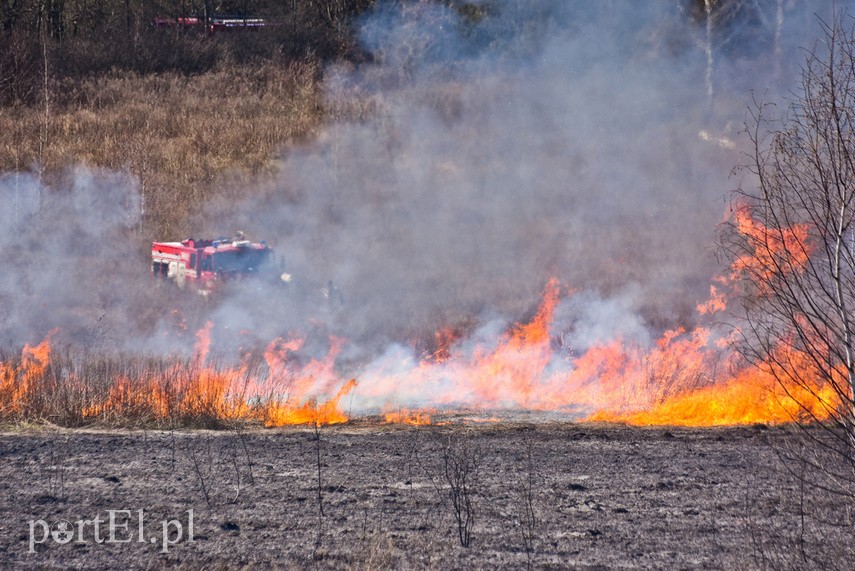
[(177, 134)]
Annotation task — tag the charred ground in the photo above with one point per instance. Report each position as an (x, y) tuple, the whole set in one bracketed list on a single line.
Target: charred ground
[(602, 496)]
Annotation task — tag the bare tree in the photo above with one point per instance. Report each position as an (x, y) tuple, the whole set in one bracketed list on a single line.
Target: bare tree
[(791, 244), (455, 476), (319, 553), (461, 460), (528, 492), (792, 240)]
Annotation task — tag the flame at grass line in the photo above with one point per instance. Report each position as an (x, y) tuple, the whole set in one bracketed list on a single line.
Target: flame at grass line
[(16, 380), (687, 378), (202, 393), (691, 378)]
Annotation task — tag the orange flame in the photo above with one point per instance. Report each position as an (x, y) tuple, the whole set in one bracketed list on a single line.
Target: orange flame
[(751, 396), (404, 416), (445, 339), (773, 252), (309, 413), (685, 378), (741, 394)]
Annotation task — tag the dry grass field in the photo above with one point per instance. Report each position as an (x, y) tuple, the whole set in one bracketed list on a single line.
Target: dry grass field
[(177, 134)]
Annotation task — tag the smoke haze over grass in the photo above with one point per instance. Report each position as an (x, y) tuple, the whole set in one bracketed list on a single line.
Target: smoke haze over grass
[(506, 145)]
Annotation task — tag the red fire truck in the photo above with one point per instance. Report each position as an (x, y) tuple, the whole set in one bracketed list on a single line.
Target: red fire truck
[(200, 264), (212, 24)]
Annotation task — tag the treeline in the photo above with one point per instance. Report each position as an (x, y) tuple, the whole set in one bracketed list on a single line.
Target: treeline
[(60, 39), (63, 39)]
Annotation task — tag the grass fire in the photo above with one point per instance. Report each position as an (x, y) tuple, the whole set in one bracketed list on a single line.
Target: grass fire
[(687, 378), (427, 284)]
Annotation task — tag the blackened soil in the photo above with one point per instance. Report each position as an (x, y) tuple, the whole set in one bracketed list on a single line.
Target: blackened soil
[(600, 497)]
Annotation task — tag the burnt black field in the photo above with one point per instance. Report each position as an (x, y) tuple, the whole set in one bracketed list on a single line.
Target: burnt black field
[(601, 496)]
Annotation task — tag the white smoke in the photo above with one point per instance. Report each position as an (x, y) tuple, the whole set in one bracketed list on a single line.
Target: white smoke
[(67, 261)]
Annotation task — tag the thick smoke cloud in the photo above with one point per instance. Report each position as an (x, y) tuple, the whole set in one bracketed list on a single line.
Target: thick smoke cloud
[(574, 140)]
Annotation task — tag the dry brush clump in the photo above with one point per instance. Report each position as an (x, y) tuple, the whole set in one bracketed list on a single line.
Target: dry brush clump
[(788, 527)]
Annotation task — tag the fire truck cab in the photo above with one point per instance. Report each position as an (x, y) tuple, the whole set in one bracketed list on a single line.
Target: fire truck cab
[(200, 264)]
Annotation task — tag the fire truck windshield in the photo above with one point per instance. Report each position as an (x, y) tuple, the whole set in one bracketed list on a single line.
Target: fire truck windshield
[(240, 261)]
